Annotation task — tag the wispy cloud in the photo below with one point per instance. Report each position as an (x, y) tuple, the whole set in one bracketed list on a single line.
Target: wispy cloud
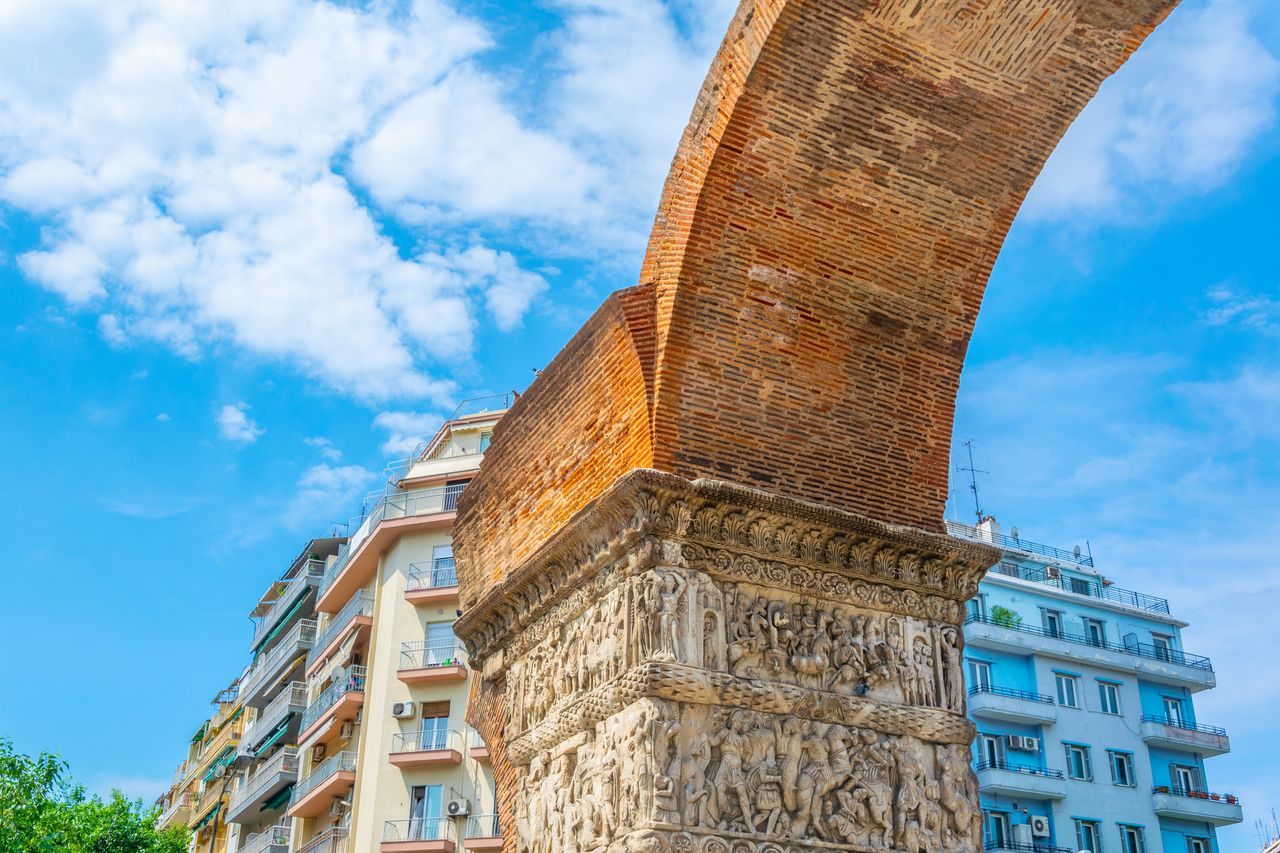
[(235, 425), (1231, 307), (325, 446), (152, 510), (405, 430), (325, 494)]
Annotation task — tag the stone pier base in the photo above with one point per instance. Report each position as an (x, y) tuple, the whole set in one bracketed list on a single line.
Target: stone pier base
[(701, 667)]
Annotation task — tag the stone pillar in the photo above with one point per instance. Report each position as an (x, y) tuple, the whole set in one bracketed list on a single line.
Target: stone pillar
[(705, 668)]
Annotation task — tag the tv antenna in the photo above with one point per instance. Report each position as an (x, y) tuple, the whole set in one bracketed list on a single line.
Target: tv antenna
[(973, 479)]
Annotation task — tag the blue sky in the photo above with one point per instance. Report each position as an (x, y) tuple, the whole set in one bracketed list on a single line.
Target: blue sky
[(251, 251)]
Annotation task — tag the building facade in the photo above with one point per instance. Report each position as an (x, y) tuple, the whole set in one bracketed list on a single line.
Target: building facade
[(1082, 694), (346, 730)]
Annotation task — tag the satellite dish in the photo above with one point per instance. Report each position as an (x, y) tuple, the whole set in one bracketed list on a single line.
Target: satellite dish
[(336, 674), (1014, 532), (1076, 551)]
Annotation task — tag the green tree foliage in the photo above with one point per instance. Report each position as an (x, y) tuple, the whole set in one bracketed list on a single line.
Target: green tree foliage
[(43, 811), (1006, 617)]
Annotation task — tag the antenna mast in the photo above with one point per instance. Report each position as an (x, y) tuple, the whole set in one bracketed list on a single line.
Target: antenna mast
[(973, 480)]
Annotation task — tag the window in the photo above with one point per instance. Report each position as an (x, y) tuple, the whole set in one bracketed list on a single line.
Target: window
[(1185, 778), (442, 645), (453, 488), (1078, 763), (991, 750), (1163, 645), (1094, 633), (1079, 586), (997, 829), (442, 571), (426, 811), (977, 606), (1122, 768), (1109, 697), (1173, 710), (980, 673), (1131, 839), (1052, 622), (1088, 836), (1199, 845), (485, 438), (435, 726), (1067, 690)]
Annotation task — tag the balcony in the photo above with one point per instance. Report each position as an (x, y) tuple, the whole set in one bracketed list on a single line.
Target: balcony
[(177, 812), (336, 703), (263, 680), (426, 662), (432, 583), (356, 615), (430, 748), (273, 839), (483, 833), (394, 514), (419, 835), (295, 587), (973, 534), (1168, 666), (1087, 588), (1038, 783), (1014, 706), (1201, 806), (330, 841), (1206, 740), (267, 781), (209, 804), (292, 700), (333, 777), (1017, 847)]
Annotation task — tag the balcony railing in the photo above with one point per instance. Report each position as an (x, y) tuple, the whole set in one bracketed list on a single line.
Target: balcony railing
[(310, 575), (1130, 647), (419, 829), (293, 696), (396, 505), (272, 836), (284, 761), (352, 681), (428, 655), (965, 531), (1017, 847), (427, 740), (1010, 692), (343, 761), (1174, 790), (1179, 724), (483, 826), (1080, 586), (185, 801), (330, 841), (301, 637), (359, 605), (438, 573), (1013, 768)]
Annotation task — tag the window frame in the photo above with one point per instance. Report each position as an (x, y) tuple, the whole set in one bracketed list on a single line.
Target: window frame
[(1059, 678), (976, 666), (1115, 757), (1083, 750), (1114, 687), (1095, 826), (1139, 833)]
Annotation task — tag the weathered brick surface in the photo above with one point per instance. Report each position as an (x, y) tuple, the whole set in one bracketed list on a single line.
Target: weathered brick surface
[(817, 263)]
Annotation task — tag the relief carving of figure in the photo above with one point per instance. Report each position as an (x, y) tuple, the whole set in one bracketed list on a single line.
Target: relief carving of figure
[(732, 802)]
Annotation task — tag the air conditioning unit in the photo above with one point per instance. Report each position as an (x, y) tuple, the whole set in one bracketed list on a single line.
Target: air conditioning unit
[(1021, 836), (347, 730), (1039, 826), (403, 710), (1022, 743), (338, 807), (317, 752), (1052, 573), (458, 808)]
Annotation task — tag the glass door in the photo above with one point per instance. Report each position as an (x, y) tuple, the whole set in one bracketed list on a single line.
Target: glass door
[(1185, 779), (1173, 710), (998, 833), (426, 806)]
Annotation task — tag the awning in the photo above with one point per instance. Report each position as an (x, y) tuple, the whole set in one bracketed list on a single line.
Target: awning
[(204, 821), (275, 736), (283, 621), (287, 676), (199, 735), (280, 799), (224, 758)]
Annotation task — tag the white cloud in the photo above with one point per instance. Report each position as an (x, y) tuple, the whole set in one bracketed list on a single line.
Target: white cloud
[(163, 417), (326, 494), (1249, 310), (406, 429), (325, 446), (235, 425), (1248, 403), (1179, 118)]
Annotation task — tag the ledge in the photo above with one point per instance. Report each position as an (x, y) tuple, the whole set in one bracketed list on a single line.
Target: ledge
[(426, 758), (317, 800), (433, 674), (437, 845), (431, 595)]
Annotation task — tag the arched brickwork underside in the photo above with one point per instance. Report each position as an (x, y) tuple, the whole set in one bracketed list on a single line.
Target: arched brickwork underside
[(833, 212)]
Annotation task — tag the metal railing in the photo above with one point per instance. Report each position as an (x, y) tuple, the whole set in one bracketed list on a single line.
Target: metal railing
[(483, 405), (330, 841), (1080, 586), (301, 637), (183, 802), (310, 575), (419, 829), (1180, 724), (393, 506), (483, 826), (438, 573), (1018, 847), (1004, 765), (1010, 692), (272, 836), (293, 696), (361, 604), (428, 655), (1194, 794), (426, 740), (284, 761), (212, 796), (352, 681), (965, 531), (1130, 647), (334, 764)]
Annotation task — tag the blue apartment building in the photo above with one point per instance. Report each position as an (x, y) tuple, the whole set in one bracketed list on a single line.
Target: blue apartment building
[(1082, 694)]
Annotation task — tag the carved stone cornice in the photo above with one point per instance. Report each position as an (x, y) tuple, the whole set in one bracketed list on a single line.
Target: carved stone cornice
[(729, 526)]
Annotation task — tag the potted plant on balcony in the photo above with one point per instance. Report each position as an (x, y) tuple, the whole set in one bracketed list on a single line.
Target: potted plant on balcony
[(1005, 617), (1162, 789), (1232, 799)]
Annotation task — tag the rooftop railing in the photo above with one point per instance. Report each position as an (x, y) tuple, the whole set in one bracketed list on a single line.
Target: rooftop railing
[(330, 841), (483, 826), (272, 836), (334, 764), (483, 405), (1080, 586), (1011, 693), (427, 654), (1130, 647), (438, 573), (284, 761), (418, 829), (361, 604), (301, 637), (973, 534), (1194, 794), (310, 575), (351, 682), (1004, 765), (1180, 724), (426, 740)]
